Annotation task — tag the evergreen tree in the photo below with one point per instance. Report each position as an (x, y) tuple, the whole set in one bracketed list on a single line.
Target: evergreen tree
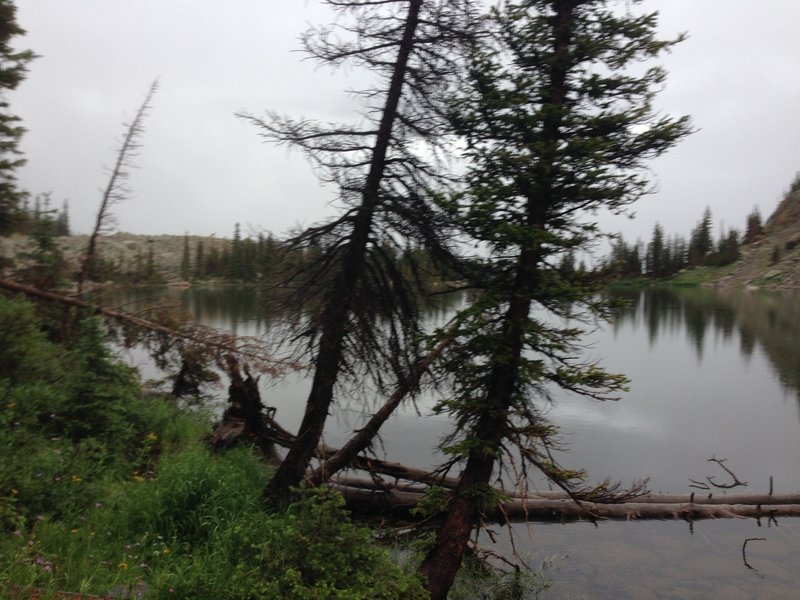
[(236, 266), (215, 262), (566, 265), (186, 262), (48, 266), (701, 243), (625, 259), (555, 129), (656, 259), (727, 250), (754, 227), (13, 69), (677, 254), (62, 220), (633, 263)]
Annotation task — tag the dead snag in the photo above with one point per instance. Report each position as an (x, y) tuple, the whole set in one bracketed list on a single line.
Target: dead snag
[(245, 414)]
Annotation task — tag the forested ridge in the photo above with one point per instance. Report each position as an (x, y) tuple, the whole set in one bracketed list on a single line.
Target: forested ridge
[(764, 253)]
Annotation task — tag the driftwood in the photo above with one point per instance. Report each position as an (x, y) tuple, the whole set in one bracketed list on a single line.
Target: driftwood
[(248, 348), (244, 413), (399, 504), (393, 489)]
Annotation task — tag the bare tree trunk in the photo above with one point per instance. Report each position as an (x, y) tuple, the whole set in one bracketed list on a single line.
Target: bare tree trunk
[(116, 189), (363, 438), (337, 312)]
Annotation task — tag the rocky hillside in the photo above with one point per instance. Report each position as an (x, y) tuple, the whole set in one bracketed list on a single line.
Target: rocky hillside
[(121, 248), (774, 259)]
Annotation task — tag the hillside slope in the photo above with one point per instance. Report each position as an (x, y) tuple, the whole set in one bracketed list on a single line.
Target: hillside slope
[(123, 249), (774, 259)]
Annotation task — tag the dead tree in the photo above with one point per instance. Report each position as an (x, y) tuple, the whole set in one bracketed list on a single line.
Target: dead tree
[(362, 317), (116, 189), (182, 332)]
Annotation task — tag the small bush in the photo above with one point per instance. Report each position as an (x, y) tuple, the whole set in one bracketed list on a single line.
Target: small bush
[(319, 553)]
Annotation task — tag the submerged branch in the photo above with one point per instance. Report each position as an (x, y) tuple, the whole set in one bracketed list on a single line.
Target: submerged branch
[(248, 348)]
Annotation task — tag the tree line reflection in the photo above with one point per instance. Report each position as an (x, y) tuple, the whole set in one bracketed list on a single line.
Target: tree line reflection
[(769, 319)]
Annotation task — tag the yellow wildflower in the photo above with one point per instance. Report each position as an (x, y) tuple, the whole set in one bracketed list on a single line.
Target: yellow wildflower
[(123, 565), (151, 437)]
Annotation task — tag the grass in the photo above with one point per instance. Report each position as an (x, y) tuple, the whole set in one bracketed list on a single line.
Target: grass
[(698, 276), (103, 491)]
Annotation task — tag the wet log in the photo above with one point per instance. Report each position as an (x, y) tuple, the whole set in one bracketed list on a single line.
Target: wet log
[(363, 483), (398, 503), (406, 485), (249, 348)]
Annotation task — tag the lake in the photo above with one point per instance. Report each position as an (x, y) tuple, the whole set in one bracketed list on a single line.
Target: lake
[(714, 373)]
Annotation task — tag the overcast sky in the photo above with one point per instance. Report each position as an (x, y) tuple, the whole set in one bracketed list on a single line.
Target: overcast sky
[(201, 169)]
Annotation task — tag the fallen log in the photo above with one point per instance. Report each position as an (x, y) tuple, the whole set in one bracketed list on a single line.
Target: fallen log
[(397, 498), (362, 438), (248, 348), (399, 503), (753, 499)]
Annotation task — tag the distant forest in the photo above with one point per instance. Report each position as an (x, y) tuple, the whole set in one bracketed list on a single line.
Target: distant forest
[(263, 258), (665, 255)]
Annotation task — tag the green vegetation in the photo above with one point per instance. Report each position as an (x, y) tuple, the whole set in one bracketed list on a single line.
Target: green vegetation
[(102, 488), (664, 256), (13, 68), (698, 276)]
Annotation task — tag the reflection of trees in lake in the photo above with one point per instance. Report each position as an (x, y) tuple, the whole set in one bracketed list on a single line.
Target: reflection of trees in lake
[(241, 309), (769, 318), (773, 319)]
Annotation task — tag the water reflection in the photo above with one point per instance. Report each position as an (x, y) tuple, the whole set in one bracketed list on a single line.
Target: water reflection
[(710, 371), (767, 319)]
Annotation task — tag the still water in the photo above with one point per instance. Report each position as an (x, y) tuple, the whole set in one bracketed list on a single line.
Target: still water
[(713, 374)]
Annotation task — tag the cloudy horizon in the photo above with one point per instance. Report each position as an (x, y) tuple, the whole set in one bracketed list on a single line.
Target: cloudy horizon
[(200, 169)]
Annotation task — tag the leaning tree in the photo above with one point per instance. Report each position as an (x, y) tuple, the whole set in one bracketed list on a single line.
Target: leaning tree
[(357, 311), (558, 121), (116, 189)]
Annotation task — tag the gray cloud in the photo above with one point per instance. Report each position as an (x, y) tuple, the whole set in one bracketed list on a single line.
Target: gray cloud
[(202, 170)]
